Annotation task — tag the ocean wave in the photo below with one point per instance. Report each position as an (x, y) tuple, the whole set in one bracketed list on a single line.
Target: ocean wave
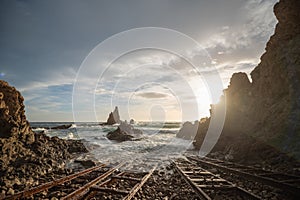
[(73, 126), (164, 125), (39, 129), (69, 136), (107, 129)]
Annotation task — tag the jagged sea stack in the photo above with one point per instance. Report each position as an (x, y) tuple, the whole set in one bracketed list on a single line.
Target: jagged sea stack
[(114, 117)]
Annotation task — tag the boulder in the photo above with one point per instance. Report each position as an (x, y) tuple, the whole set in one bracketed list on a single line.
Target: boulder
[(124, 132), (119, 135), (86, 163)]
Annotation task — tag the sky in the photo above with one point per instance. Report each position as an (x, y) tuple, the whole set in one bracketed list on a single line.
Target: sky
[(50, 48)]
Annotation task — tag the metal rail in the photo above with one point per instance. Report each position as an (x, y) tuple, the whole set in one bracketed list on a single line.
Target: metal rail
[(43, 187), (85, 189), (244, 171), (129, 194), (198, 190), (203, 181), (138, 186), (95, 188)]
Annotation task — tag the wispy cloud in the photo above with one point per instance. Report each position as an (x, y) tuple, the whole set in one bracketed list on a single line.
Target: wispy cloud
[(152, 95)]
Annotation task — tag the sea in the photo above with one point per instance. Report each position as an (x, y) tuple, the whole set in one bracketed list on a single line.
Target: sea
[(157, 145)]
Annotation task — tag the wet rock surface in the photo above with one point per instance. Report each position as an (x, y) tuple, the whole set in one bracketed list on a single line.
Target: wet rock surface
[(119, 135), (27, 158), (124, 132)]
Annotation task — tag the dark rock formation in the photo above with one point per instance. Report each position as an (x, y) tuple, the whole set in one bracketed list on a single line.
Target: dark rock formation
[(86, 163), (124, 132), (266, 111), (131, 121), (114, 117), (188, 130), (13, 122), (25, 156), (64, 126), (119, 135)]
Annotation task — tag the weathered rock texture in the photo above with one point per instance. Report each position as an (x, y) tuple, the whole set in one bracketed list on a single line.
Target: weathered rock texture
[(12, 115), (267, 110), (27, 157)]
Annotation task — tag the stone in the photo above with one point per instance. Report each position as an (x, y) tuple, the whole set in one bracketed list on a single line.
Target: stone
[(86, 163), (10, 191)]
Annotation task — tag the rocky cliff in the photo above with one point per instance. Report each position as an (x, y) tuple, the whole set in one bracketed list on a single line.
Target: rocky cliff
[(266, 111), (26, 157)]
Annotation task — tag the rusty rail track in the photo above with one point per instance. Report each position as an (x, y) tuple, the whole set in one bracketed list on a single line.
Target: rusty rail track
[(208, 185), (85, 189), (285, 182), (90, 185), (43, 187), (133, 185)]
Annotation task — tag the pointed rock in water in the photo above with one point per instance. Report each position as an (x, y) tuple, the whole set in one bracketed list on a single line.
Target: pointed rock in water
[(114, 117)]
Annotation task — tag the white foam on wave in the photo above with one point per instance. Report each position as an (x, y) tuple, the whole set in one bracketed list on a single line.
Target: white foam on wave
[(39, 129), (73, 126), (69, 136)]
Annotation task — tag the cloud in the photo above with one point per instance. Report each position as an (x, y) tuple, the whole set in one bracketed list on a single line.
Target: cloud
[(153, 95), (44, 43)]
